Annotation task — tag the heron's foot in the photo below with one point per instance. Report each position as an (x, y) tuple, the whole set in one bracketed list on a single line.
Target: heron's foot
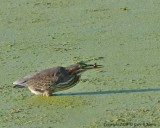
[(47, 93)]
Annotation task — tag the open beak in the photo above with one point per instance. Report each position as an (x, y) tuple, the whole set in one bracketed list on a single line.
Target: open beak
[(81, 67), (90, 66)]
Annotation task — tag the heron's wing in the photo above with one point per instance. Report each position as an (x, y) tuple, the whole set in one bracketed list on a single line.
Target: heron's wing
[(64, 84)]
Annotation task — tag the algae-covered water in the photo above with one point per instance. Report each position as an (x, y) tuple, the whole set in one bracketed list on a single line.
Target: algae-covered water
[(123, 35)]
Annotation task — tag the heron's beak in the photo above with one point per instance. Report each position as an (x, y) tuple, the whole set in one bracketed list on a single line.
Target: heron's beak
[(89, 66)]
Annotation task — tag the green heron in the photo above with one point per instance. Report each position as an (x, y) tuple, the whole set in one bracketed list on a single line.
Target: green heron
[(54, 79)]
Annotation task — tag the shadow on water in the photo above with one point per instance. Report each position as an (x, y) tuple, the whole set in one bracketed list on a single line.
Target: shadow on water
[(108, 92)]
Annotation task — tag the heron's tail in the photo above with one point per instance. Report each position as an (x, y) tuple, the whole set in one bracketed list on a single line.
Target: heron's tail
[(20, 83)]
